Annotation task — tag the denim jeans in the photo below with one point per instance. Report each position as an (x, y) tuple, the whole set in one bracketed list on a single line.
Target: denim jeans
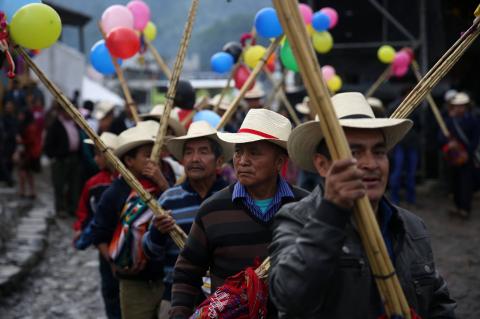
[(405, 160), (110, 290)]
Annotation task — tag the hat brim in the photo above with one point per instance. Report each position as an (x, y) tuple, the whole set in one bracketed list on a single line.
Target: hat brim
[(241, 138), (176, 145), (176, 126), (302, 108), (121, 150), (304, 139)]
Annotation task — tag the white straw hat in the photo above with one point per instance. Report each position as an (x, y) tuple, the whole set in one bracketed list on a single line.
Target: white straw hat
[(143, 133), (255, 93), (101, 109), (110, 140), (303, 107), (353, 111), (197, 130), (259, 125), (375, 102), (174, 122), (224, 105), (461, 98)]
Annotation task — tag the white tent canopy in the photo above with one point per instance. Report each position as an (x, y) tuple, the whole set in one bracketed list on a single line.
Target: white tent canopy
[(95, 92)]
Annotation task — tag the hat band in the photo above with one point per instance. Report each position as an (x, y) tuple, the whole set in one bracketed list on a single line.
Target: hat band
[(355, 116), (255, 132)]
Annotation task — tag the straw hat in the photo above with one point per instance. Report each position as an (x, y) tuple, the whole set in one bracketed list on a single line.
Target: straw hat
[(461, 98), (224, 105), (110, 140), (255, 93), (143, 133), (197, 130), (449, 95), (375, 103), (303, 107), (174, 122), (353, 111), (261, 125), (102, 108)]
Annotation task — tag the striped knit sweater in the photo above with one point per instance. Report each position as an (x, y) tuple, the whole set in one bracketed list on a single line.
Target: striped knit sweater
[(225, 238)]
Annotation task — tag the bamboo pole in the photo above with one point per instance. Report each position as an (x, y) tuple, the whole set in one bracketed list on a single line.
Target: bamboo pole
[(178, 236), (382, 78), (387, 281), (158, 58), (233, 106), (431, 102), (123, 83), (227, 87), (177, 69)]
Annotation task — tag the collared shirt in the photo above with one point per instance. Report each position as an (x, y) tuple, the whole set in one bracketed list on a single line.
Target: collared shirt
[(72, 133), (283, 190)]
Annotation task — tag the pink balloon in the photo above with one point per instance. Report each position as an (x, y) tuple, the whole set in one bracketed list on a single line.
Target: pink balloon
[(401, 60), (332, 14), (400, 71), (306, 12), (141, 14), (328, 72), (116, 16)]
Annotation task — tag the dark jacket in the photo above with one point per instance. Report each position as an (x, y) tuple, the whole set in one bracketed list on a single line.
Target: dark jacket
[(56, 141), (319, 268)]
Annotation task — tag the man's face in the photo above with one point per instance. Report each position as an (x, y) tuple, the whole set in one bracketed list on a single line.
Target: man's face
[(100, 160), (137, 163), (199, 159), (257, 163), (457, 110)]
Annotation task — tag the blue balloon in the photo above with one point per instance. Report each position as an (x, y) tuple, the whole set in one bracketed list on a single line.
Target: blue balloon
[(209, 116), (267, 23), (320, 21), (101, 59), (10, 7), (222, 62)]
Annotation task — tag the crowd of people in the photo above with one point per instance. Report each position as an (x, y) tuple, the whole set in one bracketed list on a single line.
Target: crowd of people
[(257, 189)]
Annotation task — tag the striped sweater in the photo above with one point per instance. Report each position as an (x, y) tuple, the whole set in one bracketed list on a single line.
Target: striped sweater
[(225, 238)]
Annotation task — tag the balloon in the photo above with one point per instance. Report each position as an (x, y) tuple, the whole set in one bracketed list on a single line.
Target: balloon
[(267, 23), (101, 59), (320, 21), (401, 60), (241, 75), (322, 41), (123, 42), (410, 53), (306, 12), (35, 26), (253, 55), (310, 30), (328, 72), (116, 16), (185, 95), (400, 70), (335, 83), (209, 116), (221, 62), (10, 7), (271, 62), (287, 57), (150, 31), (332, 14), (386, 54), (233, 48), (141, 14)]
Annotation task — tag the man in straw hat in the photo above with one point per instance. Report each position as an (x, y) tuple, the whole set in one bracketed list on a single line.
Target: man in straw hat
[(122, 219), (232, 229), (103, 114), (253, 99), (319, 268), (202, 153), (92, 191)]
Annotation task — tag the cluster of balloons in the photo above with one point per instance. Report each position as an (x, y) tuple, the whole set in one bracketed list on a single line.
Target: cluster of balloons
[(222, 62), (31, 23), (400, 60), (334, 82), (123, 26)]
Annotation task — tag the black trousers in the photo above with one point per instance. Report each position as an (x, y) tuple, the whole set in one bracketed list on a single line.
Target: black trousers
[(463, 183)]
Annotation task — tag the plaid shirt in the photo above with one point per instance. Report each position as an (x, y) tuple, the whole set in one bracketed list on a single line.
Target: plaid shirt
[(283, 190)]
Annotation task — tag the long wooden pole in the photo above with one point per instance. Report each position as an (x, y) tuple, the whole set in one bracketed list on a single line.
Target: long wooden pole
[(233, 106), (382, 78), (158, 58), (177, 69), (178, 235), (227, 87), (123, 83), (387, 281)]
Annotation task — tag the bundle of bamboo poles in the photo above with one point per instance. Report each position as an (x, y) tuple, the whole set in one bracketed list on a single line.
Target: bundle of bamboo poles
[(438, 71), (387, 282), (177, 234), (258, 68), (177, 69)]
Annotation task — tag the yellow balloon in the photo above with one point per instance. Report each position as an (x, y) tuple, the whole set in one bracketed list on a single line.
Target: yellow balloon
[(310, 29), (150, 31), (253, 55), (322, 41), (335, 83), (35, 26), (386, 54)]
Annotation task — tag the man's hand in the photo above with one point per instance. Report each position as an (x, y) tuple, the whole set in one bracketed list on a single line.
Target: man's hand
[(343, 183), (164, 223), (153, 172)]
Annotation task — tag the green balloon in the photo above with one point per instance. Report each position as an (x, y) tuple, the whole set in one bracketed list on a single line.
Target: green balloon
[(287, 57)]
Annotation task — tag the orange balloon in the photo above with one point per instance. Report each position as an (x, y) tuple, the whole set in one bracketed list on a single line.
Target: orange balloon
[(271, 62)]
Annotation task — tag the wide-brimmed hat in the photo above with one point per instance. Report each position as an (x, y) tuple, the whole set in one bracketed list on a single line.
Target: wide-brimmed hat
[(198, 130), (110, 140), (102, 108), (261, 125), (353, 111), (255, 93), (156, 114), (461, 98), (143, 133), (303, 107), (224, 104)]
